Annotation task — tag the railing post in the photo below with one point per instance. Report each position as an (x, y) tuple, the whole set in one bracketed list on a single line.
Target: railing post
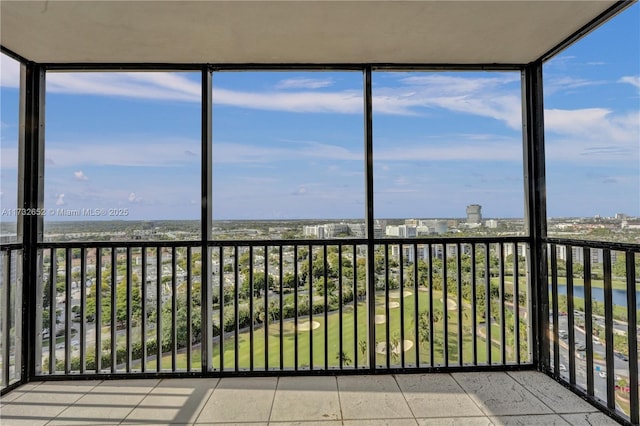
[(30, 196), (632, 336), (205, 221), (535, 211), (371, 286)]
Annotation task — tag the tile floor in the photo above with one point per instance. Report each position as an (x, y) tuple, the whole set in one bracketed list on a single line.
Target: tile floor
[(515, 398)]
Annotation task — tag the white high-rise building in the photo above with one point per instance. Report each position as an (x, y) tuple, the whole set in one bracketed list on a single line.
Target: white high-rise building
[(474, 213)]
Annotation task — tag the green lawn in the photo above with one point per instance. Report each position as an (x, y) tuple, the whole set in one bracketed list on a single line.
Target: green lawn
[(350, 343), (616, 284)]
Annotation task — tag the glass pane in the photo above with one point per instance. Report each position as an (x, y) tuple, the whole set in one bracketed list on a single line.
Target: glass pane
[(448, 153), (592, 129), (10, 125), (122, 156), (288, 148)]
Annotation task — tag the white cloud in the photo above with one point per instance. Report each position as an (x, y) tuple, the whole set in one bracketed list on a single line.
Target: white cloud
[(570, 133), (304, 83), (124, 151), (483, 96), (477, 147), (300, 191), (9, 158), (592, 134), (496, 97), (79, 175), (60, 200), (345, 102), (9, 72), (154, 85), (303, 150), (132, 197), (633, 80), (553, 85)]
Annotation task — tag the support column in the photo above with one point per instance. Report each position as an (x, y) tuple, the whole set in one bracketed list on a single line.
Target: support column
[(536, 208), (205, 220), (30, 198), (368, 147)]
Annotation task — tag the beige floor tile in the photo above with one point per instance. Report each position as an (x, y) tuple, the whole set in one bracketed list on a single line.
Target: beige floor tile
[(126, 386), (306, 399), (506, 399), (456, 421), (372, 397), (111, 401), (58, 392), (311, 423), (498, 394), (37, 404), (174, 401), (28, 415), (552, 393), (381, 422), (223, 406), (589, 419), (529, 420), (434, 395), (18, 392), (234, 424)]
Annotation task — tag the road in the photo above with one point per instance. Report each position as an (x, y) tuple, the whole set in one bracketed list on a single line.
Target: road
[(621, 367)]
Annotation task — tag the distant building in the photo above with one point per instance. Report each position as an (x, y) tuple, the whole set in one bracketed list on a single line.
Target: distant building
[(328, 230), (577, 254), (432, 226), (313, 231), (407, 253), (401, 231), (491, 223), (629, 224), (333, 230), (379, 226), (424, 230), (508, 249), (8, 238), (474, 214), (357, 230)]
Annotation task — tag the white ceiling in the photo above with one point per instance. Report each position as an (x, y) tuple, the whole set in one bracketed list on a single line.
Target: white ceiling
[(268, 32)]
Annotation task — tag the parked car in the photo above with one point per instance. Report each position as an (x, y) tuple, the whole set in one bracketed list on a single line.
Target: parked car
[(621, 356), (563, 367), (603, 374)]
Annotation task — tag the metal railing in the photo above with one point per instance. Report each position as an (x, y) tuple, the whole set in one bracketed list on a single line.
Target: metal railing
[(276, 306), (136, 308), (10, 315), (593, 321)]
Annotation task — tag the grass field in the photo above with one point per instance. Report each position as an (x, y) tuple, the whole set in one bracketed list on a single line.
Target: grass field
[(328, 329)]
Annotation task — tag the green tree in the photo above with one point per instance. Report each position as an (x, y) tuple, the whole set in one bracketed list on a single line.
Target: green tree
[(342, 356), (321, 286), (362, 345), (289, 280), (258, 284)]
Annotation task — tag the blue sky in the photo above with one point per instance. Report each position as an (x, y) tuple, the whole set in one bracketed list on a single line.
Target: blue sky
[(289, 145)]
